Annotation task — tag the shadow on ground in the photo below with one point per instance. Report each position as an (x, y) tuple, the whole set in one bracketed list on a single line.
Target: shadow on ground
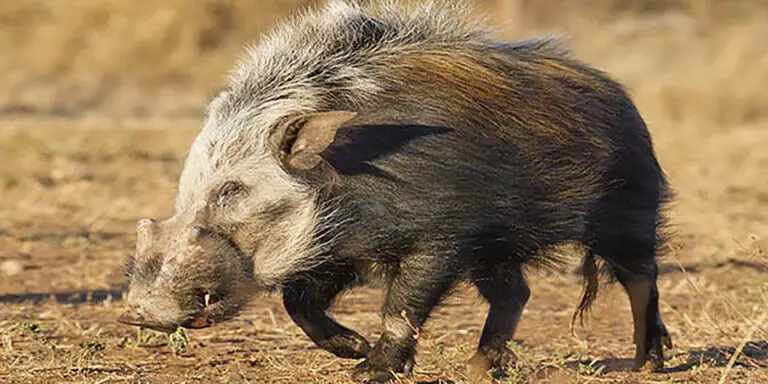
[(72, 297), (56, 238), (753, 356)]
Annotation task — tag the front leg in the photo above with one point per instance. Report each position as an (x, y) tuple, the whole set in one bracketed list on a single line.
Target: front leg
[(306, 300), (416, 288)]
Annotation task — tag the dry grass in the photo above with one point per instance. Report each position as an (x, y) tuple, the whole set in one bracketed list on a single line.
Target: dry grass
[(102, 101)]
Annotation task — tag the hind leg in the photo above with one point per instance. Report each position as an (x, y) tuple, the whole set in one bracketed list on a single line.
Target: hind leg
[(633, 261), (651, 335), (507, 293)]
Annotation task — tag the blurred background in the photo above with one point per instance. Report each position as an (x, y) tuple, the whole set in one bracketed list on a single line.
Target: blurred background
[(101, 99), (703, 60)]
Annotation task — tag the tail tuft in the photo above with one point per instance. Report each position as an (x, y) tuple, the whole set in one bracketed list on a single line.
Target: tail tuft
[(590, 272)]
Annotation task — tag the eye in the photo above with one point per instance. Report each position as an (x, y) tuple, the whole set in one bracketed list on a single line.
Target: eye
[(228, 191)]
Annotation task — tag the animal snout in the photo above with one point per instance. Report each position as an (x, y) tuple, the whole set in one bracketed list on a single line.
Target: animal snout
[(133, 317)]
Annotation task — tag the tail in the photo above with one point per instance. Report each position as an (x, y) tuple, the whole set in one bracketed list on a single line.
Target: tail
[(590, 272)]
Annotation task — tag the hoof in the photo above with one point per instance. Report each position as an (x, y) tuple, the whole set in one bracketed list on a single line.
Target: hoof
[(367, 372), (652, 360)]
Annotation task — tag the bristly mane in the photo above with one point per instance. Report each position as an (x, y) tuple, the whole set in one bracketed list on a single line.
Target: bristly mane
[(345, 32), (338, 51)]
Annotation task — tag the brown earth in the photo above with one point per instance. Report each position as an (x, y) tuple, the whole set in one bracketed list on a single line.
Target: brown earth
[(103, 99)]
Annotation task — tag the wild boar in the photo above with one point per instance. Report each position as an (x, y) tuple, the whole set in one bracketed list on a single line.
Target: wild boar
[(365, 143)]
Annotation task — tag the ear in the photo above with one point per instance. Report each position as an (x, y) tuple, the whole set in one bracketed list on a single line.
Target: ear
[(309, 135)]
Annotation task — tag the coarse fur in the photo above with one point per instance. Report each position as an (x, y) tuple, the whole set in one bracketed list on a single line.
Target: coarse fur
[(380, 142)]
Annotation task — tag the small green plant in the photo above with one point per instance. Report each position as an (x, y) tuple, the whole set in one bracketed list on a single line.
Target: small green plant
[(27, 327), (143, 336), (89, 350), (34, 330), (93, 346), (178, 340)]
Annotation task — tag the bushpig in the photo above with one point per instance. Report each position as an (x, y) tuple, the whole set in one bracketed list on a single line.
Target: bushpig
[(406, 147)]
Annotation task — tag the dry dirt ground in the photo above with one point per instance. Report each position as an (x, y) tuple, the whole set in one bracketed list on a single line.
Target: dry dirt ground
[(73, 185)]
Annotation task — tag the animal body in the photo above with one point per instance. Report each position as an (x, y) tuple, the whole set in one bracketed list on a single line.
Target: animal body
[(407, 147)]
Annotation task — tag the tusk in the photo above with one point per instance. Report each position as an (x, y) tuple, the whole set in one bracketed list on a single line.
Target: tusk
[(207, 299)]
